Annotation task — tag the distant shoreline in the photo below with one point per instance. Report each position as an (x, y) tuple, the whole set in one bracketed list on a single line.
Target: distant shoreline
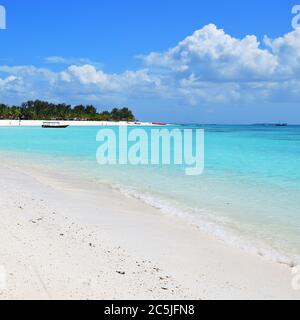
[(39, 123), (87, 123)]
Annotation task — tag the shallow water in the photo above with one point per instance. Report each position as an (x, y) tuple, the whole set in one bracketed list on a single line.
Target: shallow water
[(248, 194)]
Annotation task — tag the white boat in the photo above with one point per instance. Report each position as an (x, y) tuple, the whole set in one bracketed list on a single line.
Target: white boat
[(54, 125)]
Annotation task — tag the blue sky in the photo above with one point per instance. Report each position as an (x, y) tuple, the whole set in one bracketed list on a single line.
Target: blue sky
[(99, 51)]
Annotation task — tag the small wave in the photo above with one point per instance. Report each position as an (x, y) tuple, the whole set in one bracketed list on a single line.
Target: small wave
[(213, 226)]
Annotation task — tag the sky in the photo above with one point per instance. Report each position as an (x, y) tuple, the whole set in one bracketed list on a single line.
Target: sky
[(217, 61)]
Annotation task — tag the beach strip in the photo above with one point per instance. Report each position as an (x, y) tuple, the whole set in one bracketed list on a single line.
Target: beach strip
[(39, 123)]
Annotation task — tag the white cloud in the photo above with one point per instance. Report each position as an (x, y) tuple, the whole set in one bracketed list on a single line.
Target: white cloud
[(71, 61), (88, 74), (10, 79), (56, 59), (209, 66), (214, 67), (287, 51), (211, 54)]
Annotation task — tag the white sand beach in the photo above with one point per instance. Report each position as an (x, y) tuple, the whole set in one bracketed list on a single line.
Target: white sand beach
[(62, 238), (39, 123)]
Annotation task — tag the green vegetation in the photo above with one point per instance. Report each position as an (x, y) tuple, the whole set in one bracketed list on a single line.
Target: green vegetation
[(42, 110)]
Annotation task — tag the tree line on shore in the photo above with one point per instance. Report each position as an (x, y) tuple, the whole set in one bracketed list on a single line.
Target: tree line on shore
[(43, 110)]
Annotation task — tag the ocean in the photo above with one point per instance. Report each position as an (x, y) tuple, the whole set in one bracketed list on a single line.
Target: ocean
[(248, 195)]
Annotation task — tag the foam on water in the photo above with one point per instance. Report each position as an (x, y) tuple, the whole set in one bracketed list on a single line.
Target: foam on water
[(212, 225)]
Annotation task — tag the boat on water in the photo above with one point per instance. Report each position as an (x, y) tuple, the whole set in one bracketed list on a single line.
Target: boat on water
[(159, 123), (54, 125), (281, 124)]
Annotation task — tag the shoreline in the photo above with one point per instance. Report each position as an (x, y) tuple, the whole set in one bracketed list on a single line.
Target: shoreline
[(225, 233), (39, 123), (116, 242)]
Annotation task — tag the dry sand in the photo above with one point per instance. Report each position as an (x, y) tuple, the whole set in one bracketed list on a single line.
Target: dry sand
[(64, 238)]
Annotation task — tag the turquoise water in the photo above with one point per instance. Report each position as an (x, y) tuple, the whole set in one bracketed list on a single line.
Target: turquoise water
[(248, 194)]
